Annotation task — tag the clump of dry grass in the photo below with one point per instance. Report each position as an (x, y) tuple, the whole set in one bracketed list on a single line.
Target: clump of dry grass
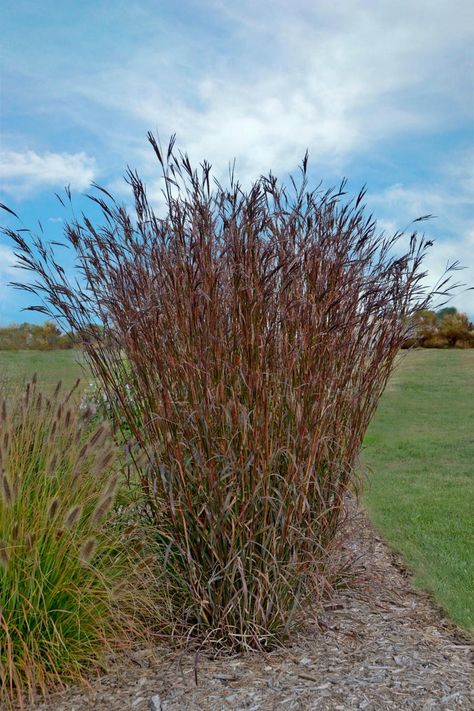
[(245, 340), (62, 555)]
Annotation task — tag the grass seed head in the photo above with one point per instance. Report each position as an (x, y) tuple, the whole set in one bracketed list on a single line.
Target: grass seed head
[(6, 489), (4, 556), (53, 508), (102, 508), (87, 550), (73, 516)]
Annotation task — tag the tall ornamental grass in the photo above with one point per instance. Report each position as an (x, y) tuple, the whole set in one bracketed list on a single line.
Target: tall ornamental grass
[(66, 577), (245, 338)]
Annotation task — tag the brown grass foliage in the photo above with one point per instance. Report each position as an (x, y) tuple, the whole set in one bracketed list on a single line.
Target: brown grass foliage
[(247, 337)]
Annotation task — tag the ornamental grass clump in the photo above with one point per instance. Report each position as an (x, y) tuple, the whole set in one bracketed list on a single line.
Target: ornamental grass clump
[(245, 339), (63, 558)]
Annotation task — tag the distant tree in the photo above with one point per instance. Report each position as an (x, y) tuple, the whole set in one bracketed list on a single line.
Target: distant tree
[(443, 329), (455, 327), (447, 311), (29, 336), (425, 324), (48, 335)]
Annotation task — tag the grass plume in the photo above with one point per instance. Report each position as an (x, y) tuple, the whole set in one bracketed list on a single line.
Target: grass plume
[(57, 615)]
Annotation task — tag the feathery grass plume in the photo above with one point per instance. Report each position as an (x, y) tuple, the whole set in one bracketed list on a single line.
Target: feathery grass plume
[(6, 489), (4, 557), (104, 461), (102, 508), (111, 486), (59, 616), (73, 516), (87, 550), (53, 508), (98, 434), (243, 338), (83, 451), (72, 390)]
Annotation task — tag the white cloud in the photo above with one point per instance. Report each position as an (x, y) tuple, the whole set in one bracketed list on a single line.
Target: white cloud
[(8, 273), (7, 261), (334, 77), (449, 198), (264, 81), (24, 173)]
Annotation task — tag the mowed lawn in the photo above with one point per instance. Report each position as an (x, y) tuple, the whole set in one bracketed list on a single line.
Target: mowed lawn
[(420, 495), (17, 367)]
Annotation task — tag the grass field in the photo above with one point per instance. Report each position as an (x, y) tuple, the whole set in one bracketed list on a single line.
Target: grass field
[(17, 367), (420, 448)]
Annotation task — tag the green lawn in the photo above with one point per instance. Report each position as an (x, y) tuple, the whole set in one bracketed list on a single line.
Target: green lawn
[(420, 448), (16, 367)]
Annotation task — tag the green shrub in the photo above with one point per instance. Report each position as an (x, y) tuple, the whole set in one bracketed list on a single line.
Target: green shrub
[(66, 579), (30, 336), (246, 339), (435, 341)]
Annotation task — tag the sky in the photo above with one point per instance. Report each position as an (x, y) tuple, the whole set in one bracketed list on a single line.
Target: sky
[(379, 92)]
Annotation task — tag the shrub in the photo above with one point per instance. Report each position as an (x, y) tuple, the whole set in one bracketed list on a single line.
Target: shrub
[(424, 324), (436, 341), (61, 563), (443, 329), (455, 327), (256, 331), (29, 336)]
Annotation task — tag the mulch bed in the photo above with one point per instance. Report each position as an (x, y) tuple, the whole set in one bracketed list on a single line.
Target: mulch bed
[(379, 645)]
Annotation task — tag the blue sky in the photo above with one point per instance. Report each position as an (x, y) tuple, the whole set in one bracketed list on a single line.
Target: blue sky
[(381, 92)]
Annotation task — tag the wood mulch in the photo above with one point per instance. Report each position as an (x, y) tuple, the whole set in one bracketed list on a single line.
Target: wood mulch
[(380, 645)]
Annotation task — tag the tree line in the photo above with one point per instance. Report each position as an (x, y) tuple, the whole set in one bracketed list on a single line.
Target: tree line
[(35, 337), (447, 328)]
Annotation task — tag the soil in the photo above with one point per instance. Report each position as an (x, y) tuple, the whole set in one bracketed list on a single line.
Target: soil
[(379, 644)]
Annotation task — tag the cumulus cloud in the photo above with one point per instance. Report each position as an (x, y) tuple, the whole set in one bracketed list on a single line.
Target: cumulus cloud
[(337, 78), (24, 173), (449, 199), (263, 81)]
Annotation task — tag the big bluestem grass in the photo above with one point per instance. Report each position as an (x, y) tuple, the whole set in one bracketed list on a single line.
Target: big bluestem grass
[(244, 338), (67, 579)]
